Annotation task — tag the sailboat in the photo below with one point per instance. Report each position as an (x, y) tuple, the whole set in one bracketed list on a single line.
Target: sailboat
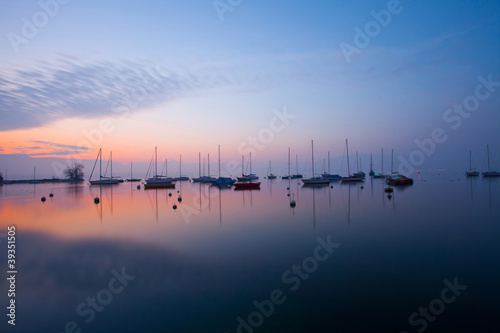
[(314, 180), (371, 173), (251, 176), (200, 178), (328, 175), (102, 179), (270, 174), (208, 178), (131, 179), (381, 174), (243, 178), (359, 173), (181, 177), (297, 175), (158, 181), (289, 176), (350, 178), (471, 173), (395, 179), (490, 173), (222, 181)]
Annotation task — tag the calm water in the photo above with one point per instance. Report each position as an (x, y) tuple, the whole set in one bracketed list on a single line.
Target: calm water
[(204, 266)]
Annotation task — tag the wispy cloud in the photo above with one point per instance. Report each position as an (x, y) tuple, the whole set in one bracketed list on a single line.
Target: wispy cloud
[(45, 148), (73, 88)]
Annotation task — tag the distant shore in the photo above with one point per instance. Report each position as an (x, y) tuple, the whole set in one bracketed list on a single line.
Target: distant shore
[(39, 181)]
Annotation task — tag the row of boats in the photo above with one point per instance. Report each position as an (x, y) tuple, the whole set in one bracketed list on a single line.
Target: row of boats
[(475, 173), (245, 181)]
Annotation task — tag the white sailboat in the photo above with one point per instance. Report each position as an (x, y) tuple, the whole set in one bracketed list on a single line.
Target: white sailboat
[(103, 180), (314, 180), (270, 174), (158, 181)]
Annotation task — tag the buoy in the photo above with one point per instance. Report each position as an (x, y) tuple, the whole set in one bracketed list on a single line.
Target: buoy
[(361, 187), (331, 186), (287, 188), (288, 194), (388, 190), (292, 202), (138, 187), (389, 196), (51, 195), (174, 206), (43, 199), (96, 200), (177, 191), (228, 186), (179, 198), (170, 194)]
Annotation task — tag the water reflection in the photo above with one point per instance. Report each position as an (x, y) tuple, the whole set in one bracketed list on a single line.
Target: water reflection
[(195, 273)]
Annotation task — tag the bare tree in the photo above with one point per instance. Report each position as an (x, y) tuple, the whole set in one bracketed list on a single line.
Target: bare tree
[(74, 172)]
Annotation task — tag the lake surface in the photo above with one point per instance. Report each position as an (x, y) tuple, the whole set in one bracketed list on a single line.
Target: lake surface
[(345, 259)]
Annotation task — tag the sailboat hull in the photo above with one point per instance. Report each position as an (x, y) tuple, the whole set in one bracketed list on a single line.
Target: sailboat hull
[(316, 181), (104, 182), (491, 174)]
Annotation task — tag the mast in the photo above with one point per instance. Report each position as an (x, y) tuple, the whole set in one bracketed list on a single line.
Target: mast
[(312, 155), (156, 161), (131, 170), (329, 163), (297, 164), (250, 162), (219, 161), (199, 164), (470, 160), (242, 164), (289, 161), (371, 162), (348, 168), (357, 161), (208, 165), (166, 169), (392, 160), (382, 167), (34, 174), (488, 152), (100, 163), (111, 158), (180, 165)]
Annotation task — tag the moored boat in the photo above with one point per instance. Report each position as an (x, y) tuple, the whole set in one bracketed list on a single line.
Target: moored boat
[(314, 180), (246, 186), (490, 173), (103, 180)]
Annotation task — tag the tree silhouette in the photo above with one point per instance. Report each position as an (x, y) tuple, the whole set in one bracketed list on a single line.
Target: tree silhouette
[(74, 171)]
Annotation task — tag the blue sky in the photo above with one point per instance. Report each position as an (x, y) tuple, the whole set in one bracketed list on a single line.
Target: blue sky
[(220, 80)]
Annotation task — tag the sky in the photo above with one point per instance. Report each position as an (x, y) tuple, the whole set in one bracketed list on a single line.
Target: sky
[(420, 77)]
